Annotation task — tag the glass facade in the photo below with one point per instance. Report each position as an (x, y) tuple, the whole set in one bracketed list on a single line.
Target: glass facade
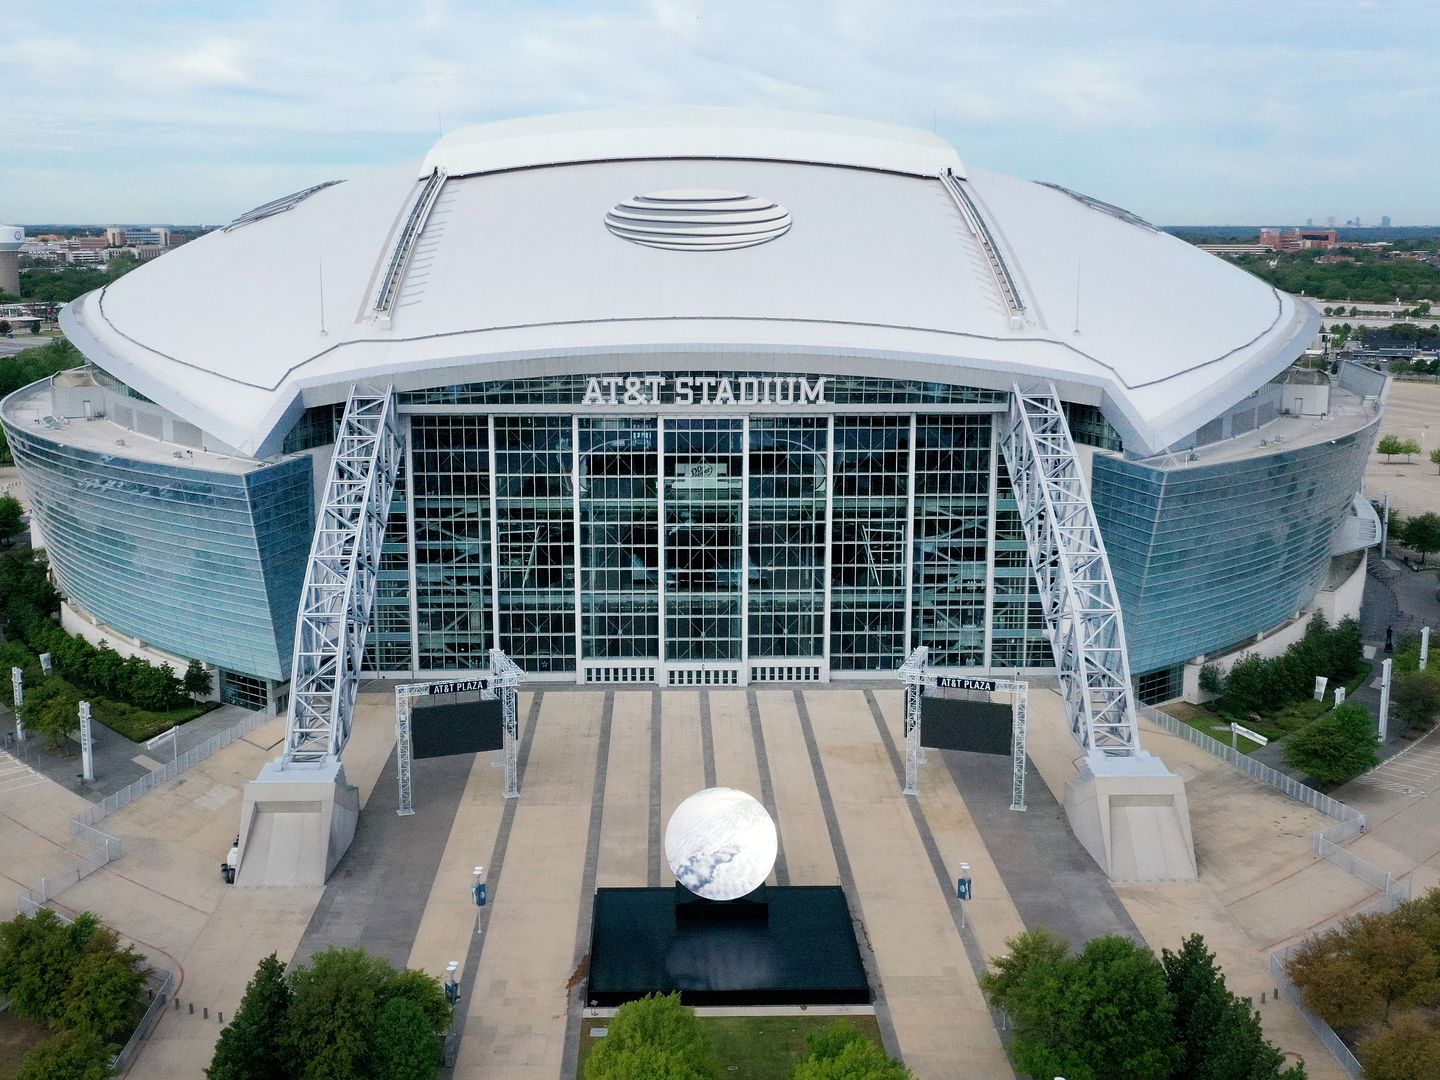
[(689, 545), (450, 489), (1207, 555), (201, 563), (631, 547)]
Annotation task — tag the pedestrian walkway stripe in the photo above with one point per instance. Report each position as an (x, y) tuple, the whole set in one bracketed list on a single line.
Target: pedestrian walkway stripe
[(707, 739), (973, 951), (847, 878), (767, 786), (652, 864), (492, 875), (571, 1054)]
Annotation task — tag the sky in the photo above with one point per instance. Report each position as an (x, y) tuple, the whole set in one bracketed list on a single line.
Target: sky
[(1184, 111)]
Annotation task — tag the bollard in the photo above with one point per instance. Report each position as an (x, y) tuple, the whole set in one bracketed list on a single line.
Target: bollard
[(192, 1008), (177, 1004), (205, 1013), (220, 1017), (1262, 997)]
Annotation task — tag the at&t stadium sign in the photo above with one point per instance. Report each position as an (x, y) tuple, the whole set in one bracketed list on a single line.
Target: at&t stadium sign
[(704, 390)]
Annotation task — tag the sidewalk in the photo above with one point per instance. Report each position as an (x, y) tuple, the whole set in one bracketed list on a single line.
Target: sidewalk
[(118, 761)]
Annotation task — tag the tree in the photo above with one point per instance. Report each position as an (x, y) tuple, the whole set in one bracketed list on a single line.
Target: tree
[(1415, 698), (331, 1031), (1104, 1013), (12, 517), (1363, 968), (840, 1051), (38, 954), (5, 327), (1410, 446), (333, 1004), (1435, 458), (53, 709), (1408, 1049), (425, 992), (70, 1055), (1390, 445), (198, 682), (1421, 534), (104, 992), (1219, 1035), (1337, 747), (251, 1046), (107, 669), (405, 1047), (654, 1037)]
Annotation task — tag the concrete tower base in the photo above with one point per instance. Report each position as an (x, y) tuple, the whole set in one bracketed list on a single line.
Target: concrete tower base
[(296, 824), (1132, 816)]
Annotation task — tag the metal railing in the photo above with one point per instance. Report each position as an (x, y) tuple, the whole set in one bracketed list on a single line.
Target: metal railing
[(1323, 1031), (169, 770), (1349, 822), (147, 1022), (109, 848), (1274, 778)]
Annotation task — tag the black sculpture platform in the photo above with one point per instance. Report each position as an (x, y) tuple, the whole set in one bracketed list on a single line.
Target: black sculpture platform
[(781, 945)]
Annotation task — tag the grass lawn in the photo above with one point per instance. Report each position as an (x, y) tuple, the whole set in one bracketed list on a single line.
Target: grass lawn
[(137, 725), (1276, 725), (752, 1047), (17, 1038)]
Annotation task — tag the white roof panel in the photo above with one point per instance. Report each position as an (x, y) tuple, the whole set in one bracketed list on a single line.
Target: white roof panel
[(515, 272)]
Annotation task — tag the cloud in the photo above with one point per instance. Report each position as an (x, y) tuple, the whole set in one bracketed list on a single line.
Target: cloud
[(1126, 96)]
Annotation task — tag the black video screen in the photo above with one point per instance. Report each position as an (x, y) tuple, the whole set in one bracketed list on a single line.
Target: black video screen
[(981, 727), (459, 727)]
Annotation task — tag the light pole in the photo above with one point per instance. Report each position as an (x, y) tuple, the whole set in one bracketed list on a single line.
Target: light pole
[(17, 688), (452, 985), (962, 890)]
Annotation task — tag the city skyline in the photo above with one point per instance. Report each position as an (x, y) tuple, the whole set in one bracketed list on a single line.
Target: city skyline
[(194, 111)]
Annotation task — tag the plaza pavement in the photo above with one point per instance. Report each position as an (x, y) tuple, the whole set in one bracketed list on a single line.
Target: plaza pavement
[(829, 764)]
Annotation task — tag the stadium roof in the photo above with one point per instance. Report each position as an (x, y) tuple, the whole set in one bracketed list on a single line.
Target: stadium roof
[(863, 248)]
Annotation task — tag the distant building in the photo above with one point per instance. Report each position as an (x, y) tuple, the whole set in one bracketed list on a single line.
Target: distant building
[(154, 236), (1299, 239), (1385, 221)]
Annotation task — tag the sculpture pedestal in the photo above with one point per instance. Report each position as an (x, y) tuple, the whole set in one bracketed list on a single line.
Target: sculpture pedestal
[(795, 945), (296, 824), (1131, 814), (698, 911)]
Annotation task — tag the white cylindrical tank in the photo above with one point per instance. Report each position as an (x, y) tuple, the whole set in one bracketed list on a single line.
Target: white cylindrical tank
[(12, 237)]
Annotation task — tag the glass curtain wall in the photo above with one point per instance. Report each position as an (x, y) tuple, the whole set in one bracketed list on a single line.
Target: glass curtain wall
[(451, 488), (387, 645), (868, 541), (704, 538), (787, 536), (535, 540), (952, 533), (1017, 636), (619, 537)]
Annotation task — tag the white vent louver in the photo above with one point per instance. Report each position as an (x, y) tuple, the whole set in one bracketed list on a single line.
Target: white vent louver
[(698, 220)]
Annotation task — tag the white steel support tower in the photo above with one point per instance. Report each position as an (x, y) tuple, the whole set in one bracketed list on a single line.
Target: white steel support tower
[(340, 578), (1077, 592), (299, 815), (1128, 810), (917, 677), (503, 681)]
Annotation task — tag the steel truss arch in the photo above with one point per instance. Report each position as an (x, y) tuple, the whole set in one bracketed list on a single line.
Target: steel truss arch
[(340, 578), (1072, 571)]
